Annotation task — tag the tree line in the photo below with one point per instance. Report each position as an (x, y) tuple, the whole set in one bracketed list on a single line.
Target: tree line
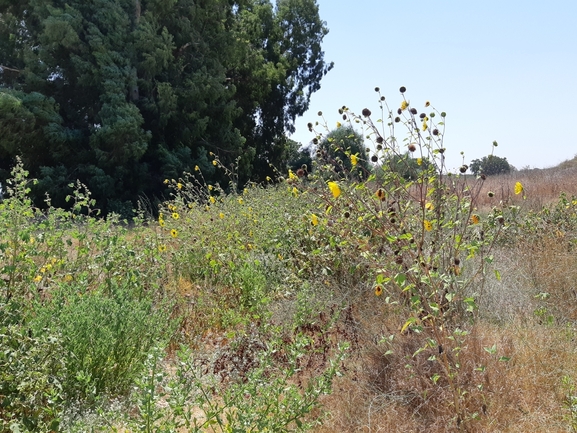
[(122, 94)]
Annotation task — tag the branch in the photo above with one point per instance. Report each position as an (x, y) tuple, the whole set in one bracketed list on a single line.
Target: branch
[(10, 69)]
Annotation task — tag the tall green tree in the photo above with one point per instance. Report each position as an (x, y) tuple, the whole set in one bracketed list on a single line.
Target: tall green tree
[(124, 93), (281, 73)]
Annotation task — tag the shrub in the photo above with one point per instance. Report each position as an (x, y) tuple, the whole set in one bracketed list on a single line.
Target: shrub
[(32, 372), (106, 336)]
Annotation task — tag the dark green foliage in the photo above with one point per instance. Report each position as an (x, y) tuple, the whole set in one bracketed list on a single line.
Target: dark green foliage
[(300, 157), (337, 147), (490, 165), (122, 94)]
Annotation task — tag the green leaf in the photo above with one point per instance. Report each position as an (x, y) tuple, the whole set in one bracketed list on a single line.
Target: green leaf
[(400, 279), (491, 350), (497, 275), (408, 323)]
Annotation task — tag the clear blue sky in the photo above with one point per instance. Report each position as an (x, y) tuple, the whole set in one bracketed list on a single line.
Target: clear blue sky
[(502, 70)]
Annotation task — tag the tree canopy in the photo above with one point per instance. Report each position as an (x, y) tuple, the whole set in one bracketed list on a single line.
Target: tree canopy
[(340, 147), (490, 165), (122, 94)]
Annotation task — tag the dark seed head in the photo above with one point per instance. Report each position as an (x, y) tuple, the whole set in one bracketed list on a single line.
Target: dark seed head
[(422, 115), (379, 139), (403, 89), (435, 132), (374, 158), (457, 261), (413, 111), (399, 111), (483, 176), (397, 119), (377, 89), (412, 147), (463, 169), (366, 112)]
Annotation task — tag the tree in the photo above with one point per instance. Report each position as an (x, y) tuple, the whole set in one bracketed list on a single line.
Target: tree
[(281, 71), (337, 147), (299, 157), (406, 166), (490, 165), (125, 93)]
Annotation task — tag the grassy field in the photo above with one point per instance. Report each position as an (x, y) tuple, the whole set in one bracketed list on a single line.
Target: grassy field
[(316, 304)]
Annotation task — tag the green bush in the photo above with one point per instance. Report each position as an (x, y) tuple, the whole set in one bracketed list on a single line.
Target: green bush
[(106, 335), (31, 373)]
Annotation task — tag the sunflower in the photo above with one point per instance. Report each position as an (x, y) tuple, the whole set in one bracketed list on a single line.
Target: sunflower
[(335, 189), (427, 225), (314, 220), (354, 159)]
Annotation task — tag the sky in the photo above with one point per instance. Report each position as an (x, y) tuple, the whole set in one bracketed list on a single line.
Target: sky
[(503, 71)]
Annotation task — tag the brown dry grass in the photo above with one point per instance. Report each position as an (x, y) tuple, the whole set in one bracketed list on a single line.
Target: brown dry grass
[(542, 187), (379, 393)]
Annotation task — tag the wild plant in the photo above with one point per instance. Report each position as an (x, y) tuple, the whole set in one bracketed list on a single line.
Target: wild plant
[(413, 229), (257, 393)]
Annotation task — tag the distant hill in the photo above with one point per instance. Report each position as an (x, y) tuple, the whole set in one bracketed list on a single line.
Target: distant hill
[(570, 163)]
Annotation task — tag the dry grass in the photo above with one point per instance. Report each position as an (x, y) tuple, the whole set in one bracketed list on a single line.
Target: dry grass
[(542, 187), (393, 392), (523, 394)]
